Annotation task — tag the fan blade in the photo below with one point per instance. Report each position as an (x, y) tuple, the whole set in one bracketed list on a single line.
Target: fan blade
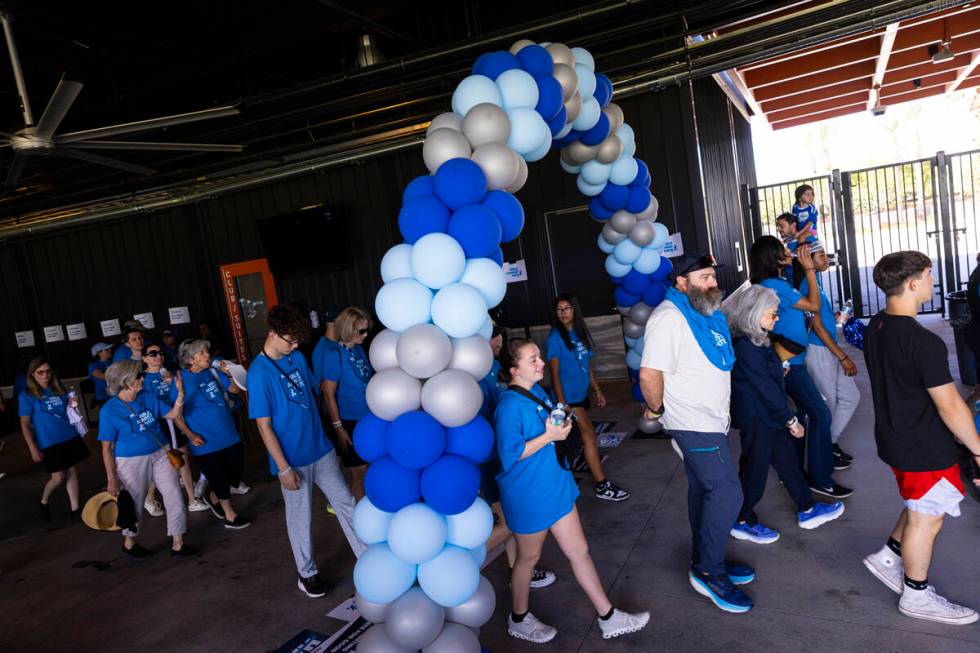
[(16, 167), (151, 145), (105, 161), (152, 123), (58, 105)]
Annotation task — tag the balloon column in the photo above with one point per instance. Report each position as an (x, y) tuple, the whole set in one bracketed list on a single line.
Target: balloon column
[(424, 525)]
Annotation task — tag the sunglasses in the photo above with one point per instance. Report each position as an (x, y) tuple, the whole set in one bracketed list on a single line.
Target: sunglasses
[(362, 332), (153, 354)]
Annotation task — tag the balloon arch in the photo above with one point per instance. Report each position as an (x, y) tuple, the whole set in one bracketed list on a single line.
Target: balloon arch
[(425, 527)]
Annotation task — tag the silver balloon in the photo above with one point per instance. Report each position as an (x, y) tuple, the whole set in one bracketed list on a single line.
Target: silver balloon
[(393, 392), (561, 54), (573, 107), (448, 120), (610, 149), (520, 45), (473, 355), (649, 425), (643, 233), (444, 144), (424, 350), (612, 236), (376, 613), (639, 314), (615, 114), (414, 620), (521, 175), (579, 153), (632, 329), (453, 397), (478, 609), (624, 310), (382, 353), (454, 639), (568, 78), (376, 640), (499, 163), (486, 123), (650, 213), (622, 221)]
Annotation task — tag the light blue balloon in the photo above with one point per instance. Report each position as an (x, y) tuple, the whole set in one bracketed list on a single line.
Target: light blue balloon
[(605, 246), (568, 167), (474, 90), (403, 303), (458, 309), (564, 131), (381, 577), (470, 528), (586, 81), (623, 171), (629, 342), (479, 554), (528, 130), (627, 252), (437, 260), (660, 238), (417, 533), (648, 262), (370, 522), (589, 115), (487, 277), (541, 152), (615, 268), (518, 89), (487, 329), (633, 359), (397, 263), (590, 190), (629, 149), (626, 134), (638, 345), (596, 172), (584, 57), (450, 578)]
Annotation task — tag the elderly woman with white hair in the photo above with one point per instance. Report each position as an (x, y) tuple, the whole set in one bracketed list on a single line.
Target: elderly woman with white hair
[(761, 413), (134, 452)]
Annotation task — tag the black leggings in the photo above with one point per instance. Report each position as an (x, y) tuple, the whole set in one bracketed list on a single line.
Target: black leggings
[(223, 469)]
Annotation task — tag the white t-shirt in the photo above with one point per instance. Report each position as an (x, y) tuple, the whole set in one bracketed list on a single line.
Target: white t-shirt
[(696, 393)]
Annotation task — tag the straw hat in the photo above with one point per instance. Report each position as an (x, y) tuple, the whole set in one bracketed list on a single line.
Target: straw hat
[(100, 512)]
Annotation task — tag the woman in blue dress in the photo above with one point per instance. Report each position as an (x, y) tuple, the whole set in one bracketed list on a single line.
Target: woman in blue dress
[(538, 495)]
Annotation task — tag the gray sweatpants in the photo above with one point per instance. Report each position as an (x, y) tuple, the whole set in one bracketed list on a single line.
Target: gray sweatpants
[(839, 391), (326, 474), (135, 474)]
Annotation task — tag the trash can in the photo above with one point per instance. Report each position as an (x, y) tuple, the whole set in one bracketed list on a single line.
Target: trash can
[(959, 308)]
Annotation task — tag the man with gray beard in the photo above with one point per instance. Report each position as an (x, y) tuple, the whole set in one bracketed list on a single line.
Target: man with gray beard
[(685, 377)]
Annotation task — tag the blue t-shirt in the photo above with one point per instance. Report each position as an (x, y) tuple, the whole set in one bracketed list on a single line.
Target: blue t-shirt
[(805, 217), (534, 492), (492, 387), (163, 389), (826, 316), (286, 395), (349, 368), (573, 364), (49, 417), (124, 353), (325, 347), (135, 428), (20, 384), (206, 411), (792, 321), (100, 385)]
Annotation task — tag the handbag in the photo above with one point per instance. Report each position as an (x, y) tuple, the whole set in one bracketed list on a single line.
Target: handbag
[(561, 447), (174, 457)]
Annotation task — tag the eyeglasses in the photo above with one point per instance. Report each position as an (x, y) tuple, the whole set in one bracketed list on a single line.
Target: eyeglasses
[(42, 372), (289, 339), (362, 332), (153, 354), (564, 309)]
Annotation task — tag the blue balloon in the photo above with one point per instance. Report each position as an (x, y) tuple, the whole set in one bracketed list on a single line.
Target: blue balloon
[(662, 272), (509, 212), (635, 389), (629, 341), (598, 133), (370, 524), (496, 63), (614, 197), (587, 189), (397, 263), (605, 245), (450, 484), (417, 533), (603, 90), (450, 578), (615, 268), (636, 283), (648, 262), (633, 359), (588, 116), (634, 374), (380, 576), (479, 554), (477, 230), (415, 440), (557, 123), (624, 298), (617, 281), (584, 57), (422, 215), (596, 172), (403, 303), (473, 440), (480, 63), (369, 437), (460, 310), (497, 257), (438, 260), (655, 294), (518, 89), (420, 186), (470, 528), (474, 90), (624, 171), (528, 131), (626, 134), (549, 99), (390, 486), (567, 139), (536, 60), (541, 152), (586, 81), (642, 177), (626, 252), (639, 199), (598, 211), (459, 182), (568, 167)]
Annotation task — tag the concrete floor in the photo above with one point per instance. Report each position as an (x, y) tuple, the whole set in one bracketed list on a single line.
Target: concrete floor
[(64, 586)]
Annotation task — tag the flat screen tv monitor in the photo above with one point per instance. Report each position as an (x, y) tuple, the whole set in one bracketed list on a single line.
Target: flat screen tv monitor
[(313, 239)]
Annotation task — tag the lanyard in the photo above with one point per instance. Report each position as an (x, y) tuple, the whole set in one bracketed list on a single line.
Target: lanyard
[(287, 377)]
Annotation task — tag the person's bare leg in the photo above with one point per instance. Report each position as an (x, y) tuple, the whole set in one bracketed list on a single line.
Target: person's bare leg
[(570, 537), (72, 486), (186, 478), (528, 554), (900, 526), (920, 534), (57, 478), (590, 446), (357, 475)]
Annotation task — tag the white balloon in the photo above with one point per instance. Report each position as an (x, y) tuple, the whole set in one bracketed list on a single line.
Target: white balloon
[(486, 123), (382, 353), (453, 397), (448, 120), (424, 351), (499, 164), (444, 144), (393, 392), (473, 355), (569, 167), (487, 277)]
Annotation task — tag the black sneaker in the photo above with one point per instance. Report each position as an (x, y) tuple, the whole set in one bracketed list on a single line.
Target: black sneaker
[(843, 454), (137, 552), (541, 578), (238, 523), (840, 462), (44, 510), (214, 507), (314, 586), (835, 491), (185, 553), (610, 492)]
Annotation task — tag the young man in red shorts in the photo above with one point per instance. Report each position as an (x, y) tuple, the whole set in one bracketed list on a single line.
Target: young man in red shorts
[(919, 415)]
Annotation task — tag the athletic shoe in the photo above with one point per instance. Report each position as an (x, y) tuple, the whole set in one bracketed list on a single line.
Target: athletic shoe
[(541, 578), (238, 523), (926, 604), (153, 507), (835, 491), (314, 586), (721, 590), (739, 574), (840, 463), (196, 505), (530, 629), (843, 454), (887, 567), (137, 552), (610, 492), (621, 623), (819, 514), (199, 486), (185, 553), (758, 533), (44, 510), (214, 507), (241, 488)]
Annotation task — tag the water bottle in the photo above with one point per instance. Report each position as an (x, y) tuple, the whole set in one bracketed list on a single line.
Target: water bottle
[(845, 313), (314, 319), (558, 415)]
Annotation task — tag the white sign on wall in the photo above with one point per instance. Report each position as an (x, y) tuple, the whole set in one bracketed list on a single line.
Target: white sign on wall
[(146, 319), (53, 333), (516, 271), (76, 331), (674, 246), (24, 338), (110, 327), (179, 315)]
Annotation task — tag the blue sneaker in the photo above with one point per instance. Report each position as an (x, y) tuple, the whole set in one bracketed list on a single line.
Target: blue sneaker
[(819, 514), (758, 533), (740, 574), (721, 591)]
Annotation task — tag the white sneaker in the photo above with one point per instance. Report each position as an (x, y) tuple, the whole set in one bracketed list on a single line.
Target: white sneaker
[(621, 623), (241, 488), (199, 485), (926, 604), (887, 567), (153, 507), (530, 629), (196, 506), (541, 578)]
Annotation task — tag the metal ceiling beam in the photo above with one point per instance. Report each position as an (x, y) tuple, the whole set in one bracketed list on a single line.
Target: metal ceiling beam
[(826, 115), (881, 65), (818, 62), (964, 73), (818, 107), (816, 95), (863, 70)]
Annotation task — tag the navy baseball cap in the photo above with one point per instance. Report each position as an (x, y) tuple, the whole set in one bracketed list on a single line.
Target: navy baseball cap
[(692, 262)]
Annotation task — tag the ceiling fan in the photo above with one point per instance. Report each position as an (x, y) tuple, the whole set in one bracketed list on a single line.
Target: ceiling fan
[(40, 139)]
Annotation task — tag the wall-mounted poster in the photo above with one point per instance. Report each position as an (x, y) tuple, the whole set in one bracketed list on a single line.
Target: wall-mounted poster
[(53, 333), (516, 271), (674, 246), (110, 328), (76, 331), (146, 319), (179, 315), (24, 339)]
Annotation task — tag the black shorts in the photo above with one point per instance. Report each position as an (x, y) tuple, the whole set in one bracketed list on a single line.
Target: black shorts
[(348, 458), (61, 456), (488, 481), (177, 437), (585, 403), (223, 468)]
